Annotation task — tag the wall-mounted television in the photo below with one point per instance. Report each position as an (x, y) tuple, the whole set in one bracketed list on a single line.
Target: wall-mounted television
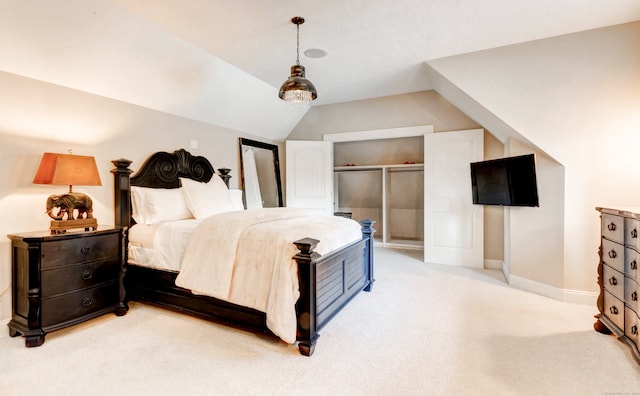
[(507, 181)]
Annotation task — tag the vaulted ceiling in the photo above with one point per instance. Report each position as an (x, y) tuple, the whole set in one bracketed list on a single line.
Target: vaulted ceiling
[(222, 62)]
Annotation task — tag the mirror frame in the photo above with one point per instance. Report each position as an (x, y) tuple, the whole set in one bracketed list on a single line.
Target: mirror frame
[(276, 164)]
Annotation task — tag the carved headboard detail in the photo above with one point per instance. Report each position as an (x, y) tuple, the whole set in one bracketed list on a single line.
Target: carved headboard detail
[(160, 170), (163, 170)]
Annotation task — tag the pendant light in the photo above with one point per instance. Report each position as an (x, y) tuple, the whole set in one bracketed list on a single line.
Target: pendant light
[(297, 89)]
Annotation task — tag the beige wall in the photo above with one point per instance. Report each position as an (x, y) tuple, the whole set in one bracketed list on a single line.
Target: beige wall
[(575, 97), (420, 108), (535, 237), (39, 117), (493, 215)]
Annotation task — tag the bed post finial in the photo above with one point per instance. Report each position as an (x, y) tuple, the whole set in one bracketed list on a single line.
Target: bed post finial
[(122, 191), (224, 174)]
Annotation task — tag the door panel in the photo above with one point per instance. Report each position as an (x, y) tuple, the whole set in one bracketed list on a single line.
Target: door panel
[(310, 174), (454, 231)]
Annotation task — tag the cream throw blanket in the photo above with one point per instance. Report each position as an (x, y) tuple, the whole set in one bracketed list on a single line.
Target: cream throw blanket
[(245, 257)]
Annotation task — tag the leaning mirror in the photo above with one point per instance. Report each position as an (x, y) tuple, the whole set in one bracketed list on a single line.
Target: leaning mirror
[(260, 172)]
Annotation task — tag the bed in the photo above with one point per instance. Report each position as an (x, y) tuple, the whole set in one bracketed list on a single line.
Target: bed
[(324, 285)]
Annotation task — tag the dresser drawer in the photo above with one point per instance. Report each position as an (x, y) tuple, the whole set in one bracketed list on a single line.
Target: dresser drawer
[(613, 254), (80, 250), (613, 282), (631, 322), (631, 260), (631, 227), (72, 278), (614, 309), (631, 291), (73, 306), (613, 227)]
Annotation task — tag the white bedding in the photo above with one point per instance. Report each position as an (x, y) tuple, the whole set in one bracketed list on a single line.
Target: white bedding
[(161, 245), (245, 258)]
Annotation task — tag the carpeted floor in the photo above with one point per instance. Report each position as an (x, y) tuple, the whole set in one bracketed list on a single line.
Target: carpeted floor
[(424, 330)]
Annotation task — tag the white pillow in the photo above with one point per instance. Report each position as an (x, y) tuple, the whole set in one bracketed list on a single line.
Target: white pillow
[(207, 199), (153, 205), (236, 199)]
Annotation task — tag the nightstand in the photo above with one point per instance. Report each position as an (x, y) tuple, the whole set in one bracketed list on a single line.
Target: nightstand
[(61, 280)]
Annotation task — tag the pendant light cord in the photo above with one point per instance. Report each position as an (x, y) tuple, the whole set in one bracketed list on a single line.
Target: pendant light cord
[(297, 44)]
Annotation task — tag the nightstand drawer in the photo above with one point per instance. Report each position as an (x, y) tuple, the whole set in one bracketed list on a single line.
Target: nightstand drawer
[(73, 306), (68, 279), (80, 250)]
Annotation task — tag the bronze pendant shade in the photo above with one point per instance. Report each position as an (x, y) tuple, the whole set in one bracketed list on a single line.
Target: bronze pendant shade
[(297, 89)]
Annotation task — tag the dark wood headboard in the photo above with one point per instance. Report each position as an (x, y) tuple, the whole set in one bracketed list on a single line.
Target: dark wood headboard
[(160, 170)]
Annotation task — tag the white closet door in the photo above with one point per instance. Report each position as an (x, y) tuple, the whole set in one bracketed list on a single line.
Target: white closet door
[(454, 231), (310, 174)]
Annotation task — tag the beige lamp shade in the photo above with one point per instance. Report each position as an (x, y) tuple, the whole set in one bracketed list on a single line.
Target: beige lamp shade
[(67, 169)]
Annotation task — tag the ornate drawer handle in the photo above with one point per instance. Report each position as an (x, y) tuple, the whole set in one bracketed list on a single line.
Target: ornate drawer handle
[(633, 265), (634, 233), (612, 226), (634, 296), (86, 249), (86, 301), (613, 310), (634, 329), (613, 281), (86, 275), (613, 254)]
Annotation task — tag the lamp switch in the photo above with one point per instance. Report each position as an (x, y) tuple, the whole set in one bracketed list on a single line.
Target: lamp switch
[(194, 144)]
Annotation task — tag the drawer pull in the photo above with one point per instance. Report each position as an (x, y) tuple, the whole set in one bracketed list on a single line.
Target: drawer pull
[(86, 301), (634, 296), (613, 281), (634, 233), (634, 329), (86, 249), (613, 254), (86, 275), (633, 265), (613, 310), (612, 226)]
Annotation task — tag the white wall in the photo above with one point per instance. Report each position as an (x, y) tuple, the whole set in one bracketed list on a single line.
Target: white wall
[(577, 98), (38, 117), (420, 108)]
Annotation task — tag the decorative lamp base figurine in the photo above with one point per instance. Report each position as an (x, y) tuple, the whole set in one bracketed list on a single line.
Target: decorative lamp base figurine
[(67, 204), (69, 169)]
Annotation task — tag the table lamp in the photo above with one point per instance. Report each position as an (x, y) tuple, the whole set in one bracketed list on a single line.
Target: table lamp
[(74, 209)]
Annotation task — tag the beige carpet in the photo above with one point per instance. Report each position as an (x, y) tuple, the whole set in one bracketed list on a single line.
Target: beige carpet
[(424, 330)]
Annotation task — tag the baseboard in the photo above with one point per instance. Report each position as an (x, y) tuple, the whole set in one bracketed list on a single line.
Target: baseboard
[(566, 295), (493, 264)]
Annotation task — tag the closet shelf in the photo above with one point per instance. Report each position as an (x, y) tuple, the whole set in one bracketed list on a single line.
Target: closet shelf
[(378, 167)]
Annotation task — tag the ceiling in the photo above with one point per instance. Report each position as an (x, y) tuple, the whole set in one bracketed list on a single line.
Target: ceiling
[(221, 61), (375, 47)]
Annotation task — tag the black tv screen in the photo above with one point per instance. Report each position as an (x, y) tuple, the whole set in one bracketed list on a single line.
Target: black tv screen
[(507, 181)]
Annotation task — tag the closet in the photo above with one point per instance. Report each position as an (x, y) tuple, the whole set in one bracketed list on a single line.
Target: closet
[(414, 183), (383, 180)]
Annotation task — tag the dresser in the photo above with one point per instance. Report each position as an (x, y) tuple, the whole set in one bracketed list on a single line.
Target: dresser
[(61, 280), (618, 275)]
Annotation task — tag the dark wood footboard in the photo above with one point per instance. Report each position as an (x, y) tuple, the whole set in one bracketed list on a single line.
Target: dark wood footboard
[(327, 283)]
